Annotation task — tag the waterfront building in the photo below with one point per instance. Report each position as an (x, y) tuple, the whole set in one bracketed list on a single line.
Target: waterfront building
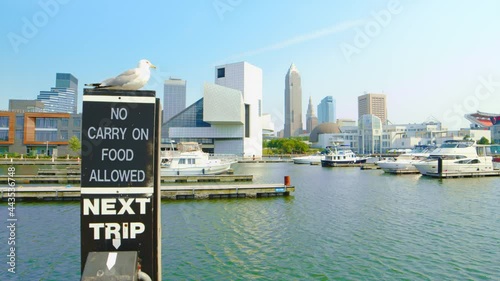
[(346, 122), (63, 97), (228, 119), (311, 119), (370, 134), (21, 106), (174, 97), (327, 110), (32, 133), (367, 137), (293, 103), (246, 78), (373, 104), (490, 121), (267, 126)]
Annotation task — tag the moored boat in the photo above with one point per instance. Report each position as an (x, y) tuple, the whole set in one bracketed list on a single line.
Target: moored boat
[(458, 158), (190, 160), (339, 155), (403, 164)]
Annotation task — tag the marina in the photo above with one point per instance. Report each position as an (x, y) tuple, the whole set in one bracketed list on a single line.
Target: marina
[(328, 229)]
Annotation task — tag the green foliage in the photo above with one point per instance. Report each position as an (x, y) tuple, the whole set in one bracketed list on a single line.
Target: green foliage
[(285, 146), (483, 140), (74, 144)]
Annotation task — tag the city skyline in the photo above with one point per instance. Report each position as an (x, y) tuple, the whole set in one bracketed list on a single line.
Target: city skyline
[(435, 59)]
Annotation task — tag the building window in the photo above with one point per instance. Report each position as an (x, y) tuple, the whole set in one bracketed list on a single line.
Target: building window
[(46, 135), (247, 120), (19, 135), (76, 122), (20, 121), (4, 121), (77, 134), (46, 123), (64, 122), (4, 135), (260, 108), (221, 72), (64, 134)]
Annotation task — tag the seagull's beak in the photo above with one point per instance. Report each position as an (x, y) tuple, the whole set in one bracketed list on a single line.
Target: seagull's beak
[(153, 66)]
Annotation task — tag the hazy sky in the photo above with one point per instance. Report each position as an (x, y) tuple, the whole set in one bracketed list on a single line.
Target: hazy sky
[(433, 59)]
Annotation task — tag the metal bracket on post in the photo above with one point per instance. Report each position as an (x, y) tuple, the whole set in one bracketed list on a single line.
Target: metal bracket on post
[(111, 266)]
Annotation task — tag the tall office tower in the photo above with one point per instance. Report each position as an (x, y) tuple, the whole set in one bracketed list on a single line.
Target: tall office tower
[(63, 97), (373, 104), (327, 110), (293, 103), (311, 119), (174, 97), (246, 78)]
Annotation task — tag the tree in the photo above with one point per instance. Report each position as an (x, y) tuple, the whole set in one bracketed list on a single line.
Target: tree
[(483, 140), (75, 145)]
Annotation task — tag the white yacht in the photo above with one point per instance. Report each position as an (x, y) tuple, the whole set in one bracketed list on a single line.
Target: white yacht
[(340, 154), (190, 160), (314, 159), (458, 158), (403, 164)]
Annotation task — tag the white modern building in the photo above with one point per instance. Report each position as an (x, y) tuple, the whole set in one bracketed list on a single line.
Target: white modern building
[(246, 78), (227, 120), (174, 97)]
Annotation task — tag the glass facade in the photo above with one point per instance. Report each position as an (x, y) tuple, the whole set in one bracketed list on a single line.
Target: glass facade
[(189, 117), (370, 134), (326, 110), (174, 98), (63, 97), (45, 123), (4, 122)]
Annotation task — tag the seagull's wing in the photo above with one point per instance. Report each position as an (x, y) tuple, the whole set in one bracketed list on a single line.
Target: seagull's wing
[(122, 79)]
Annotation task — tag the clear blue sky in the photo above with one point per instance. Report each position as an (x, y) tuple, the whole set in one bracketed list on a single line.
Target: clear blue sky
[(428, 57)]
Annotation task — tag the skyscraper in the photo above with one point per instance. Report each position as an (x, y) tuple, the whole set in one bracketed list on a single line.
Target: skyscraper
[(311, 119), (174, 97), (373, 104), (327, 110), (63, 97), (293, 103)]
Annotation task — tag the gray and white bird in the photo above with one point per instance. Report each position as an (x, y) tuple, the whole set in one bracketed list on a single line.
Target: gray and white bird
[(132, 79)]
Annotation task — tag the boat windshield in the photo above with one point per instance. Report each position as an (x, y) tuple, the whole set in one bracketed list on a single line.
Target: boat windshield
[(447, 157)]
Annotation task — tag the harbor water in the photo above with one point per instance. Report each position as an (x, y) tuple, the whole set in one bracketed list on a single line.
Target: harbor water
[(339, 224)]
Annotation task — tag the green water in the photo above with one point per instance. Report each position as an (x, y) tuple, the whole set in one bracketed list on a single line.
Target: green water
[(340, 224)]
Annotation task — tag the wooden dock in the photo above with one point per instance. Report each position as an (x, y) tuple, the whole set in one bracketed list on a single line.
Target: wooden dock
[(214, 191), (494, 173), (370, 167), (73, 177)]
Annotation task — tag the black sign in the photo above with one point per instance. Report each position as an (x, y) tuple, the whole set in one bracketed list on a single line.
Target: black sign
[(125, 223), (117, 144), (120, 192)]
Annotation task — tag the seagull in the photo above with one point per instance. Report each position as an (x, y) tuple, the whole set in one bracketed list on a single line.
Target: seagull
[(132, 79)]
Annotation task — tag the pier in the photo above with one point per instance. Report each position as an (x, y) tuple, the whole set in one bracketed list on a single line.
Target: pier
[(73, 177), (174, 192), (494, 173)]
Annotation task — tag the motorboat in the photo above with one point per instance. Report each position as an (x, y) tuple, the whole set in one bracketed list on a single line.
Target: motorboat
[(314, 159), (340, 154), (190, 160), (403, 164), (458, 158)]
